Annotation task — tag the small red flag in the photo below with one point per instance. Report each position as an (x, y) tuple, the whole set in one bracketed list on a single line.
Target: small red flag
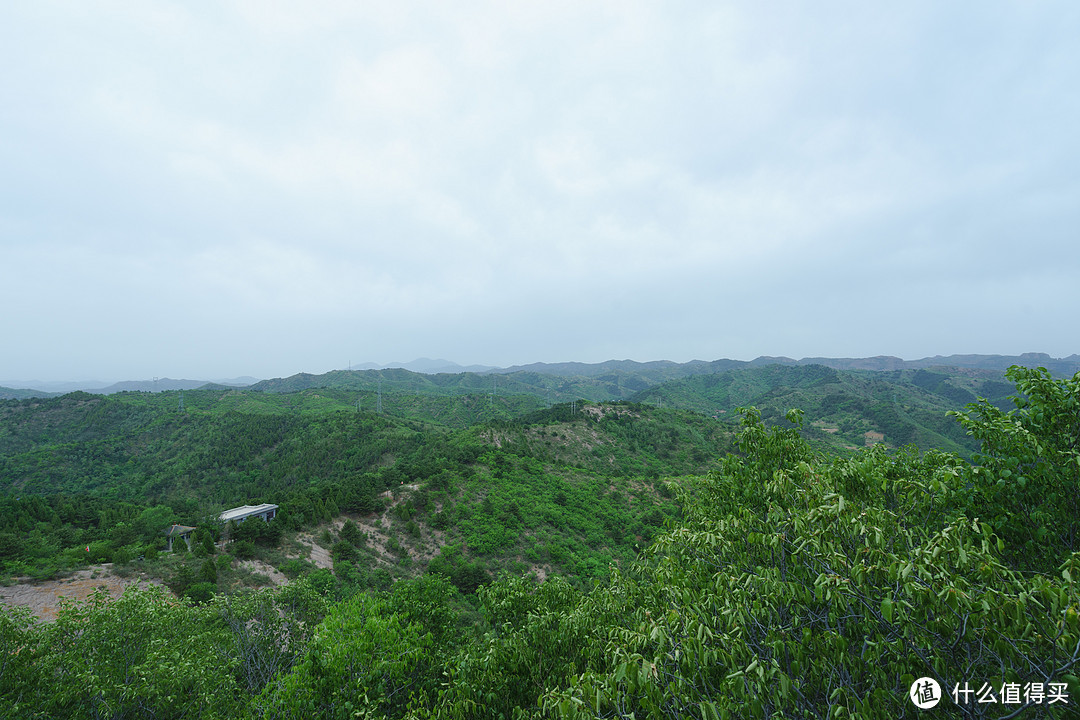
[(87, 548)]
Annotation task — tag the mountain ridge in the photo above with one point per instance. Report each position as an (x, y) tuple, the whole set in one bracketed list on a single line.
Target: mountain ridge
[(647, 372)]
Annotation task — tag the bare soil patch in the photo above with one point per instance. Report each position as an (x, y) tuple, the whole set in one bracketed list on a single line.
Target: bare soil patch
[(43, 598), (822, 425), (318, 555)]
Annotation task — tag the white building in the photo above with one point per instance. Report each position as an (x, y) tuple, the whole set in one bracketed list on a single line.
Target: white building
[(267, 512)]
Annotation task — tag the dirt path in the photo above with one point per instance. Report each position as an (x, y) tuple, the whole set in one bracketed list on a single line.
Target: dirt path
[(43, 598)]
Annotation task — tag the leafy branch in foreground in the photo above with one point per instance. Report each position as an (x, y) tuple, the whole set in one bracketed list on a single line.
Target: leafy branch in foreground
[(805, 588), (1028, 473)]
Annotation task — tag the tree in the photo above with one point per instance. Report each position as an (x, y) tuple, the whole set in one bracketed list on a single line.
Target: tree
[(208, 572), (269, 630), (153, 521), (140, 655), (350, 533), (1027, 474), (364, 660), (800, 587), (543, 635), (21, 649)]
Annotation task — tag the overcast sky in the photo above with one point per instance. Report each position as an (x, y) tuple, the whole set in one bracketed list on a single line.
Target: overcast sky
[(207, 190)]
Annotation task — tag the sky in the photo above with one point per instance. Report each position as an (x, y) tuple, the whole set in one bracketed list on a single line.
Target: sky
[(260, 187)]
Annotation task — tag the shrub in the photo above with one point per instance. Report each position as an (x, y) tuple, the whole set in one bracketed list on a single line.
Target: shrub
[(243, 549), (201, 593)]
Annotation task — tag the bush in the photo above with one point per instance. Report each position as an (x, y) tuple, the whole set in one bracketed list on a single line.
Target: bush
[(394, 545), (243, 549), (343, 551), (292, 568), (201, 593)]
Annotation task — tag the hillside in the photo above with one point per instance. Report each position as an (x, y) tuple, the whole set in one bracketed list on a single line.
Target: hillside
[(109, 473), (664, 370), (844, 409), (7, 393), (784, 582), (75, 468)]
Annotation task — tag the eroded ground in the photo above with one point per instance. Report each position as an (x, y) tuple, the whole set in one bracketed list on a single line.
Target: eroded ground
[(43, 598)]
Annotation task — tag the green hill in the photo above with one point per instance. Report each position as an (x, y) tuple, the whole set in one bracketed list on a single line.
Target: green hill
[(76, 467), (7, 393), (786, 583), (844, 409)]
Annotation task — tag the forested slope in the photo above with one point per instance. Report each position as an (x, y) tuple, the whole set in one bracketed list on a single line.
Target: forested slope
[(841, 407), (111, 473), (793, 584), (73, 468)]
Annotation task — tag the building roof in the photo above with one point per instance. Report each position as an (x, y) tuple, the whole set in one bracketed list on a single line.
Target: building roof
[(244, 511), (179, 530)]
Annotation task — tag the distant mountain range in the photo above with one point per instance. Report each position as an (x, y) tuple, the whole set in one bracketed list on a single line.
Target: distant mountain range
[(626, 374), (1058, 366), (32, 388), (428, 367)]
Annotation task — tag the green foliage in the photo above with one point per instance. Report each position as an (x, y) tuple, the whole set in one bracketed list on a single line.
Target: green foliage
[(1027, 473), (201, 592), (243, 549), (791, 584), (351, 534), (465, 575), (267, 534), (21, 649), (269, 631), (142, 655), (208, 572), (907, 406), (342, 551), (542, 636), (113, 471), (364, 660), (798, 587)]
